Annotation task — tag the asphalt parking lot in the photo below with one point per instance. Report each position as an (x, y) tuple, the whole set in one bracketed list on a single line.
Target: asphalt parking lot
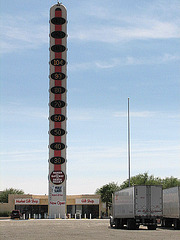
[(77, 230)]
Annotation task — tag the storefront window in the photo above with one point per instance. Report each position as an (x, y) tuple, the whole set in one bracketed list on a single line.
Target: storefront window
[(32, 209)]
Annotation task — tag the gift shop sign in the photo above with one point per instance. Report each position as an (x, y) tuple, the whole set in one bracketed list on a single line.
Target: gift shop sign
[(87, 201), (26, 201)]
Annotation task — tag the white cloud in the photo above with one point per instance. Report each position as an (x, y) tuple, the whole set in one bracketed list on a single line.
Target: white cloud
[(124, 61), (143, 114), (147, 29), (169, 57), (20, 112), (25, 158), (25, 32), (93, 153), (30, 184), (88, 114), (81, 116), (156, 156), (115, 23), (106, 164), (19, 33), (80, 66)]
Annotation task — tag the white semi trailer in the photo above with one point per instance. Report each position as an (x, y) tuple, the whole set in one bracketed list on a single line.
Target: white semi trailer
[(137, 205), (171, 207)]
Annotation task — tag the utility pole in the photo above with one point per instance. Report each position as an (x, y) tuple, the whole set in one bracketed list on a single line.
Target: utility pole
[(129, 157)]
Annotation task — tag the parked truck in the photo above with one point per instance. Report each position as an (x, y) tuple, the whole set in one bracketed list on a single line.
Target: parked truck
[(137, 205), (171, 207)]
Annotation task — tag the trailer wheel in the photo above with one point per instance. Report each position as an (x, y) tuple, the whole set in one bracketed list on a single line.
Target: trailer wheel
[(131, 224), (121, 223), (167, 223), (117, 223), (151, 227), (177, 224)]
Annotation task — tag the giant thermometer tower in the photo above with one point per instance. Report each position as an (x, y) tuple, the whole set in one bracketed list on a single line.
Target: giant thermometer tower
[(57, 111)]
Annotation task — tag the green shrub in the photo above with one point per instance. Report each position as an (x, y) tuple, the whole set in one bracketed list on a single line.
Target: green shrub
[(4, 194)]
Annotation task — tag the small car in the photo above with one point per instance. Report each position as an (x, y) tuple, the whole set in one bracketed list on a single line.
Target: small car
[(16, 214)]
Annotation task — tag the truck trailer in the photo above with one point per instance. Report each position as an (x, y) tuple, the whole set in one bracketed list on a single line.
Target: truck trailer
[(171, 207), (137, 205)]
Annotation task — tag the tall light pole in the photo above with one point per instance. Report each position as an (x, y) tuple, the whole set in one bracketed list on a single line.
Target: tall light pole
[(129, 157)]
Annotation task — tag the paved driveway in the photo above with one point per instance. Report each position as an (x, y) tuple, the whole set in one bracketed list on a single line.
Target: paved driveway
[(77, 230)]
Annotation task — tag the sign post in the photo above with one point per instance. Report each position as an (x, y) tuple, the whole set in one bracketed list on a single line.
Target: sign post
[(57, 110)]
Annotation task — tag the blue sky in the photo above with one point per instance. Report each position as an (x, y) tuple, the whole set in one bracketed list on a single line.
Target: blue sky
[(116, 49)]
